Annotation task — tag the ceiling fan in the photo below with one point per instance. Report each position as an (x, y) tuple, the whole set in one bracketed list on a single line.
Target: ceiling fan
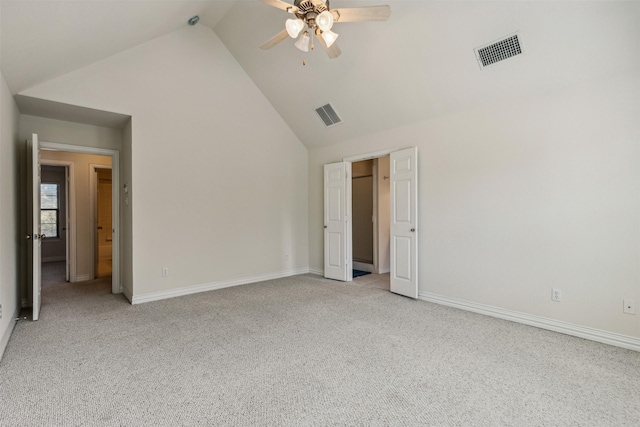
[(318, 18)]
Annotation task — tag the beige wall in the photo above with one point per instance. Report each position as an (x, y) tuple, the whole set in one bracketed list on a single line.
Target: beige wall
[(60, 131), (362, 209), (362, 168), (10, 236), (384, 215), (82, 215), (523, 197), (219, 182)]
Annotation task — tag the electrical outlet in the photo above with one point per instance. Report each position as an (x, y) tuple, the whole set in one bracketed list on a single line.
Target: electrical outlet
[(556, 295), (165, 271), (629, 306)]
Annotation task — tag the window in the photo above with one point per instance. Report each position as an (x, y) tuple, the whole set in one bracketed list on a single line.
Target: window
[(49, 210)]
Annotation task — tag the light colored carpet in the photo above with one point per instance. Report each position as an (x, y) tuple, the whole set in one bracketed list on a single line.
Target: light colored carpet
[(53, 273), (302, 351)]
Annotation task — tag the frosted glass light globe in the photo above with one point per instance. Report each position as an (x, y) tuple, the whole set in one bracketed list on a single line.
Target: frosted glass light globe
[(294, 26), (325, 20)]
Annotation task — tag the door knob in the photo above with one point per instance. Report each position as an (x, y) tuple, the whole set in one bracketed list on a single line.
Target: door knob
[(28, 236)]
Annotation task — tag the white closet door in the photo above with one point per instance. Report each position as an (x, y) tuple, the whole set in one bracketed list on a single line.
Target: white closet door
[(404, 222)]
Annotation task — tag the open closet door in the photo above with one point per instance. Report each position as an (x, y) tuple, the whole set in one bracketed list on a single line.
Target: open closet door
[(337, 223), (404, 222), (33, 228)]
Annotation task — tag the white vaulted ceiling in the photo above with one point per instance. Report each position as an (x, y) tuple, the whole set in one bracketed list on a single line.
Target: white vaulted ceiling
[(416, 66), (42, 40)]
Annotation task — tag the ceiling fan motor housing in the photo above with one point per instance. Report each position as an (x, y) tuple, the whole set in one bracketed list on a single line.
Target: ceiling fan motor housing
[(308, 10)]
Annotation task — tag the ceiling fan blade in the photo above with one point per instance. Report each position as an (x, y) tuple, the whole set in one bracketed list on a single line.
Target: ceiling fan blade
[(281, 5), (360, 14), (333, 52), (275, 40)]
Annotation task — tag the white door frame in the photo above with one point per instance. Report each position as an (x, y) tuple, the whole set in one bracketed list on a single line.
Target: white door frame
[(116, 286), (34, 277), (93, 213), (70, 198)]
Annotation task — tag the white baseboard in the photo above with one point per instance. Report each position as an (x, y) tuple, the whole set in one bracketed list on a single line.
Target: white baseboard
[(592, 334), (7, 333), (384, 271), (83, 277), (363, 266), (188, 290), (316, 271), (127, 293)]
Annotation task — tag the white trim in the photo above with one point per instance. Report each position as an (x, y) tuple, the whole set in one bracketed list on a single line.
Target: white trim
[(369, 156), (7, 332), (316, 271), (188, 290), (128, 295), (592, 334), (56, 146), (84, 277), (116, 286)]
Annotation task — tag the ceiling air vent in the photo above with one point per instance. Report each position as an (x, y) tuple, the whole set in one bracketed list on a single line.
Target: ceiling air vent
[(328, 115), (499, 50)]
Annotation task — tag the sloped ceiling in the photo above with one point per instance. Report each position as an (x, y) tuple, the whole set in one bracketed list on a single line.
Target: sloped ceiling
[(418, 65), (42, 40)]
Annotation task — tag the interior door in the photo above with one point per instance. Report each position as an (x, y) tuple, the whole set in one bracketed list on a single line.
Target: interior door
[(337, 224), (404, 222), (103, 224), (33, 224)]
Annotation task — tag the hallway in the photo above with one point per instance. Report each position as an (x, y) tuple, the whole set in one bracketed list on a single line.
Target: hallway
[(58, 294)]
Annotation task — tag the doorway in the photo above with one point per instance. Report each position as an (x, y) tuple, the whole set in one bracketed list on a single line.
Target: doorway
[(85, 246), (103, 241), (403, 214), (370, 207), (54, 220)]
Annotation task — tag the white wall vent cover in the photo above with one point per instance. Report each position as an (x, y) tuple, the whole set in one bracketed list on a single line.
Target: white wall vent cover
[(328, 115), (499, 50)]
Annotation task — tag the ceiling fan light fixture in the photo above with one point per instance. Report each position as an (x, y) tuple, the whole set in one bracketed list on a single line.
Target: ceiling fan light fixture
[(329, 37), (303, 42), (294, 26), (325, 20)]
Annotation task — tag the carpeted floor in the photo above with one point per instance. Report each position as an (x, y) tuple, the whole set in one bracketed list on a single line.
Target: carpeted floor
[(53, 273), (302, 351)]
